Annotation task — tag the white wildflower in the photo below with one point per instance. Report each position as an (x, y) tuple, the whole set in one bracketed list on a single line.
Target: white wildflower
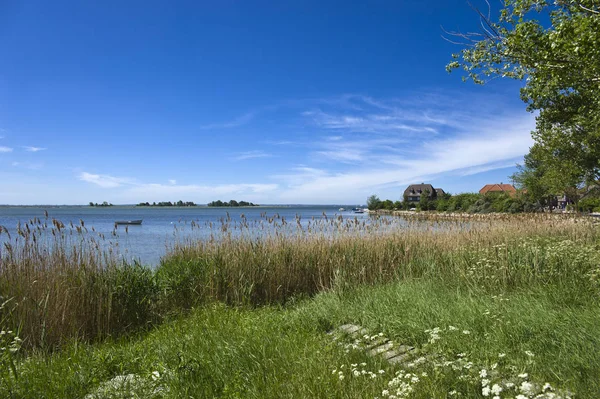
[(485, 391), (523, 375), (526, 387), (466, 332), (483, 373), (496, 389), (547, 387)]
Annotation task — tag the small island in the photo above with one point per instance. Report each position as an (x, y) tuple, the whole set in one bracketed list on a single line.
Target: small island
[(168, 203), (102, 204), (232, 203)]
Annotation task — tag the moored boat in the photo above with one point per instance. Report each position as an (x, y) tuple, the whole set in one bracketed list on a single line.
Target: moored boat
[(129, 221)]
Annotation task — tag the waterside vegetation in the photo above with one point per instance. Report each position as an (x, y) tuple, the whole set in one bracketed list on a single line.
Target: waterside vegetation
[(231, 203), (476, 203), (525, 284), (168, 203)]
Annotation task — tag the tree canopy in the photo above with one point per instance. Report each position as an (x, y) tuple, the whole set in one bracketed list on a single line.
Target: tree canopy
[(559, 59)]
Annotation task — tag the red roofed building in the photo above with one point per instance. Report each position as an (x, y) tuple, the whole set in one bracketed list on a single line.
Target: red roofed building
[(499, 188)]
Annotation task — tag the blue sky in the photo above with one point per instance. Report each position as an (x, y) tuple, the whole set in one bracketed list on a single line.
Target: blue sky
[(303, 102)]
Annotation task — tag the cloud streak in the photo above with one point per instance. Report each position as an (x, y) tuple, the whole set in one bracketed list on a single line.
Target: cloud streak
[(33, 149), (251, 155), (105, 181), (237, 122), (135, 191), (5, 149), (483, 145)]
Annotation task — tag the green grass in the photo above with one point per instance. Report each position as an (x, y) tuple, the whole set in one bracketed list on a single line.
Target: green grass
[(260, 310), (274, 352)]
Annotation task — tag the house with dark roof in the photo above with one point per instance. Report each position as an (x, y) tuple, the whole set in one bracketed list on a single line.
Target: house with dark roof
[(499, 188), (414, 192)]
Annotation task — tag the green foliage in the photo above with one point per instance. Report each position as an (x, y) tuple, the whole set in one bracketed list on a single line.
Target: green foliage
[(462, 202), (104, 203), (589, 205), (232, 203), (373, 203), (561, 65), (182, 282), (168, 203), (425, 202)]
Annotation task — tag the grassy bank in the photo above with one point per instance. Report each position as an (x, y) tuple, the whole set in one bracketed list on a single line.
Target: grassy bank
[(58, 283), (525, 286), (275, 352)]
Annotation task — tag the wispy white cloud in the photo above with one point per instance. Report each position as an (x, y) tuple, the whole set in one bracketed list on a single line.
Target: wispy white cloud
[(5, 149), (251, 154), (482, 145), (105, 181), (134, 190), (28, 165), (280, 142), (345, 155), (33, 149), (239, 121)]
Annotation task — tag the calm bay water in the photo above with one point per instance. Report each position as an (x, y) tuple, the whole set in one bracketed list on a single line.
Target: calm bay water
[(162, 227)]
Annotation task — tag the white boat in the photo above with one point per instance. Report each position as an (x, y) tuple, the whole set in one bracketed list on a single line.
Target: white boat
[(342, 209)]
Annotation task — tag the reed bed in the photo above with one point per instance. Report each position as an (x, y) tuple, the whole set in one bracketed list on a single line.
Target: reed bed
[(499, 254), (62, 282)]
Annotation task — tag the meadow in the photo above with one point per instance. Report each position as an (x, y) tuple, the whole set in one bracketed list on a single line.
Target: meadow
[(498, 307)]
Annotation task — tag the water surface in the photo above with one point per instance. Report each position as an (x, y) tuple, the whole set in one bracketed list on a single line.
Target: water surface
[(163, 226)]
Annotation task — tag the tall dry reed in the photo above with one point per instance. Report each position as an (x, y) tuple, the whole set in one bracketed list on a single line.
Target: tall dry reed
[(62, 282), (240, 268), (59, 282)]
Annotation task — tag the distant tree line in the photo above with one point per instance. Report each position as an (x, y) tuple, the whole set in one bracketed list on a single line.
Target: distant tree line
[(168, 203), (232, 203), (465, 202), (102, 204)]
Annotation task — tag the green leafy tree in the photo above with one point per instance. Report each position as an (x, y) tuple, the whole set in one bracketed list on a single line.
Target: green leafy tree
[(425, 201), (373, 202), (560, 63)]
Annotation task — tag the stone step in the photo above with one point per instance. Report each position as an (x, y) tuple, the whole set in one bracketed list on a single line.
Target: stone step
[(377, 342), (380, 349), (399, 350), (381, 346)]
